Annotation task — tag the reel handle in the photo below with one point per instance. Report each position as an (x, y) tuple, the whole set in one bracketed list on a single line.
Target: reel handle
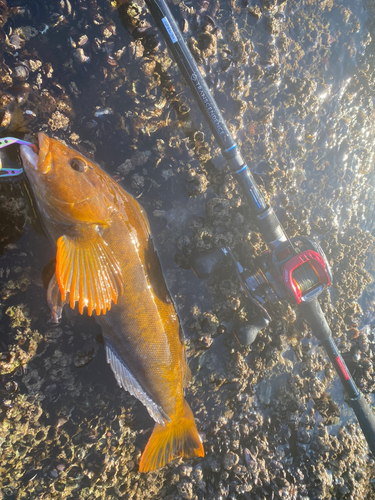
[(203, 265)]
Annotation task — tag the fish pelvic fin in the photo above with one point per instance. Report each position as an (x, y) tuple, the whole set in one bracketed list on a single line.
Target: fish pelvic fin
[(54, 299), (177, 438), (87, 270)]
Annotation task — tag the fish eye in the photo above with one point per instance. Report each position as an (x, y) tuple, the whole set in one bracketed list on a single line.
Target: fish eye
[(78, 164)]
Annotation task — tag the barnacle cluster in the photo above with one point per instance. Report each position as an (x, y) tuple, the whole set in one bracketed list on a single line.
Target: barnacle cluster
[(295, 81)]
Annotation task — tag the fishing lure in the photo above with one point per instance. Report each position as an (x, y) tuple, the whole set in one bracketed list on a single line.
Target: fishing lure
[(8, 141)]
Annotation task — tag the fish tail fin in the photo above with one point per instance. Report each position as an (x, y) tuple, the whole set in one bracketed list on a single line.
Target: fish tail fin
[(178, 438)]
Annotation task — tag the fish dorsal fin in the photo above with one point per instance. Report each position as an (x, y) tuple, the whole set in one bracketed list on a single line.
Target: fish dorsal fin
[(127, 381), (87, 269)]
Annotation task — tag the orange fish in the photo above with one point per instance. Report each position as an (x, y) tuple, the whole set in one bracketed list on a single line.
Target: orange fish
[(105, 263)]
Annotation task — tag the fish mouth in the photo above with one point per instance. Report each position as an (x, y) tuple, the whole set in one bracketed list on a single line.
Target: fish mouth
[(32, 160)]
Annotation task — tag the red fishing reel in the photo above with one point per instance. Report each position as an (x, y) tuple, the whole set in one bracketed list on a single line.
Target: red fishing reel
[(303, 268), (296, 269)]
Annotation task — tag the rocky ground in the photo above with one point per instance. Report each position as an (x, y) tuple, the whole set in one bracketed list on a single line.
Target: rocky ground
[(295, 81)]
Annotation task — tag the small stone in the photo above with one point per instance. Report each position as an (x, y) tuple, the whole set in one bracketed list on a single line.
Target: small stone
[(138, 181), (230, 460), (185, 489), (198, 472), (80, 56), (61, 421), (186, 470), (125, 167), (54, 473), (140, 158), (303, 436), (52, 334), (214, 464)]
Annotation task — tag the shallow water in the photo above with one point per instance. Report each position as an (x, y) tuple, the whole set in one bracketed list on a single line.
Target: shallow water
[(296, 87)]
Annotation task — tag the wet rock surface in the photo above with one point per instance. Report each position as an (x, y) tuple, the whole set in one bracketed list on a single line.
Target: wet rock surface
[(295, 81)]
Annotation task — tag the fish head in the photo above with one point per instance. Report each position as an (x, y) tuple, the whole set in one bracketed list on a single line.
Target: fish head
[(68, 187)]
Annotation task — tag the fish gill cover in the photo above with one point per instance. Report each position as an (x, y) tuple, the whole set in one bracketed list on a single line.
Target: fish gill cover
[(295, 82)]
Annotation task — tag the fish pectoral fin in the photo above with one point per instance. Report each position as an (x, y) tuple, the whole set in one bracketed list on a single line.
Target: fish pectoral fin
[(178, 438), (54, 299), (127, 381), (87, 269)]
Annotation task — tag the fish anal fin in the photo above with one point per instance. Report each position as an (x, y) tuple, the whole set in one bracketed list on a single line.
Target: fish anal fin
[(87, 270), (127, 381), (178, 438)]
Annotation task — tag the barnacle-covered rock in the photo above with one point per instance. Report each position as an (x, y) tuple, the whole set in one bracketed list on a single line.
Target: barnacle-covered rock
[(294, 81)]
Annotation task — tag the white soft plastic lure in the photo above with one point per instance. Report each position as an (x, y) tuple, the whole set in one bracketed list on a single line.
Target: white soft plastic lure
[(7, 141)]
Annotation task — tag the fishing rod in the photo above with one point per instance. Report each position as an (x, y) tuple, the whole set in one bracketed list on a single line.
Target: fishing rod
[(296, 268)]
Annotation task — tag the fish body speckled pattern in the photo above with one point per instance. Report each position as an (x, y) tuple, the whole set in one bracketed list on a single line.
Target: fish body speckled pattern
[(106, 264)]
